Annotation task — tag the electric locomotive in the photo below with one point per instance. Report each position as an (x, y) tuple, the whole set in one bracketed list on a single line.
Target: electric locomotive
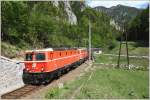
[(42, 66)]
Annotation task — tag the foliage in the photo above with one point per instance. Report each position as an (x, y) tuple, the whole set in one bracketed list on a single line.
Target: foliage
[(52, 93), (138, 29), (9, 50), (133, 48), (41, 24)]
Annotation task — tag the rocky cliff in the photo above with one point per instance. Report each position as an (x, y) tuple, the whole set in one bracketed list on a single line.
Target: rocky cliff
[(120, 14), (71, 17)]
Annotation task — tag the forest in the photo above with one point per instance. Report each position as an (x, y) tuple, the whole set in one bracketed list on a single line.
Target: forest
[(33, 25), (41, 25), (138, 28)]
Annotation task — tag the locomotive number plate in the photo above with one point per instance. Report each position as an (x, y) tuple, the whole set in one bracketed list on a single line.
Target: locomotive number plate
[(34, 65)]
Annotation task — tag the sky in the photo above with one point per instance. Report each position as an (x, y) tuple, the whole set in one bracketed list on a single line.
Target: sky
[(109, 3)]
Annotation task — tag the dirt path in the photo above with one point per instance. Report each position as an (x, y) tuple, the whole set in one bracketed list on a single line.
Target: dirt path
[(133, 56), (40, 94)]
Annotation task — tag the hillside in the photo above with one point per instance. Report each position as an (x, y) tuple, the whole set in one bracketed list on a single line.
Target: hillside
[(53, 24), (138, 28), (120, 13), (115, 69)]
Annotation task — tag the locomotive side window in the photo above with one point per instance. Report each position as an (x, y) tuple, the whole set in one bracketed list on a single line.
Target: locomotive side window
[(29, 57), (40, 56)]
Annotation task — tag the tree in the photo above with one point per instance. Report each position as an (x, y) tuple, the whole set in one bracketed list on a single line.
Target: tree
[(138, 29)]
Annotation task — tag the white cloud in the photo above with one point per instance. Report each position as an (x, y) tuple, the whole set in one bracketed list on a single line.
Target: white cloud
[(110, 3)]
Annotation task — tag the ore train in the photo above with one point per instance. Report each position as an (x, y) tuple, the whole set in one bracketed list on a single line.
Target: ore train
[(42, 66)]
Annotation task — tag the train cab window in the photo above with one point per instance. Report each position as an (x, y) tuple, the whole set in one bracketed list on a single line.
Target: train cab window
[(40, 56), (29, 57)]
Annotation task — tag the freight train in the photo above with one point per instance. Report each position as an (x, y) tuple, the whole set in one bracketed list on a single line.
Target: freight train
[(42, 66)]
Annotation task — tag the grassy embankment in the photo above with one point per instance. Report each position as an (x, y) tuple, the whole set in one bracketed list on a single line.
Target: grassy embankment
[(107, 82), (12, 51), (140, 63), (133, 48)]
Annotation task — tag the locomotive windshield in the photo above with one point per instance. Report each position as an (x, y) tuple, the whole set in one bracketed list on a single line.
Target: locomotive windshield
[(29, 57), (40, 56)]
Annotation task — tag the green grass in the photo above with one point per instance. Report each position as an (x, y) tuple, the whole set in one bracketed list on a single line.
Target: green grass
[(133, 49), (11, 51), (105, 83), (141, 63), (108, 82)]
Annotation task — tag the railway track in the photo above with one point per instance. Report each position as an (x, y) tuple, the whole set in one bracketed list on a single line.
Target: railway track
[(21, 92), (26, 90)]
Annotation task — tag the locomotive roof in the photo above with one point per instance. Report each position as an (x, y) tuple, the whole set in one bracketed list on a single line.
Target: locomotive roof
[(74, 48), (55, 49), (40, 50), (82, 49), (50, 49)]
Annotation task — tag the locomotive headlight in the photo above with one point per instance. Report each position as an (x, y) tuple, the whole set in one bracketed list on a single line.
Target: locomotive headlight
[(42, 69), (27, 69)]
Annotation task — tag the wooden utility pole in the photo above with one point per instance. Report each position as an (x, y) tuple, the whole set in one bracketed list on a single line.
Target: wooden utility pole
[(126, 43)]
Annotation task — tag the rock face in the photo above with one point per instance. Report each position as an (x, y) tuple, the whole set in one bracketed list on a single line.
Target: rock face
[(71, 17), (115, 24), (55, 3), (10, 75), (120, 13)]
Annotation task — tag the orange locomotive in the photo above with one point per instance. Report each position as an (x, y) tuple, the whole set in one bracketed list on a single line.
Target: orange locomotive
[(41, 66)]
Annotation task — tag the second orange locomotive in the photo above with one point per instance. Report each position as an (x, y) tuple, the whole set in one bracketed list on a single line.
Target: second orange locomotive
[(41, 66)]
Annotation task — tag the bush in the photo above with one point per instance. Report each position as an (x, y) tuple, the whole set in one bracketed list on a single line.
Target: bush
[(112, 45), (52, 93)]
